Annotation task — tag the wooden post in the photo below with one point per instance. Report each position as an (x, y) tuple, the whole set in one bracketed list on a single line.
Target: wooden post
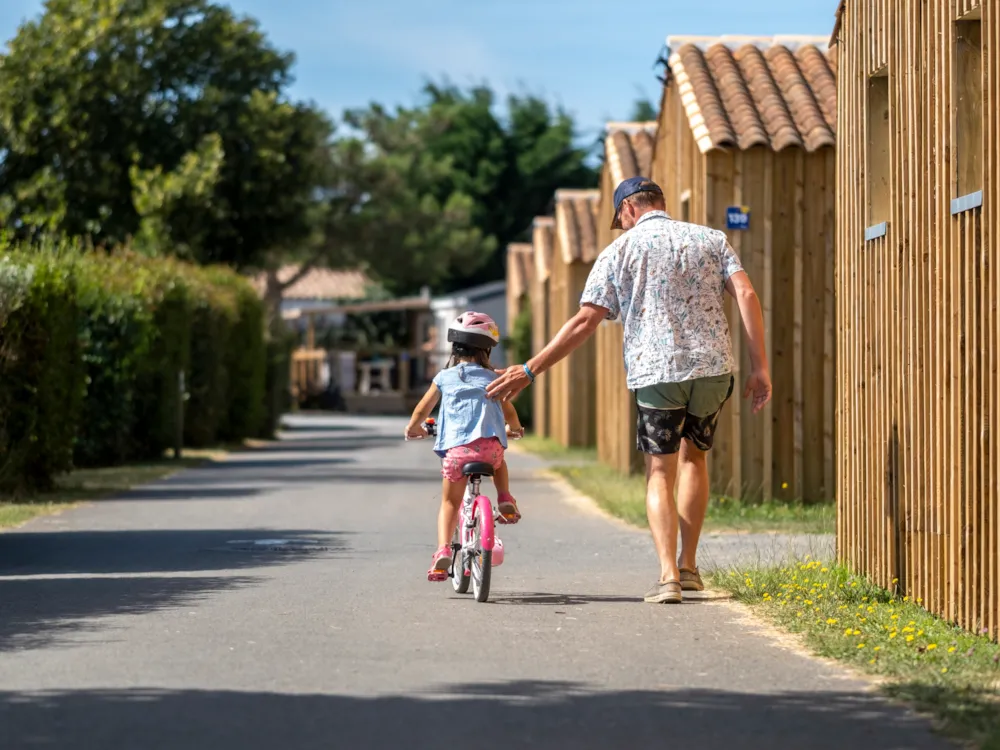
[(179, 420)]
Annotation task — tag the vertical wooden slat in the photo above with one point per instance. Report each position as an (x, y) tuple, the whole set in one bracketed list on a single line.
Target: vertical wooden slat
[(918, 324)]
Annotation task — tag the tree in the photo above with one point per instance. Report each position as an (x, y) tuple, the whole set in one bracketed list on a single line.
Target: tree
[(105, 103), (643, 111), (500, 172)]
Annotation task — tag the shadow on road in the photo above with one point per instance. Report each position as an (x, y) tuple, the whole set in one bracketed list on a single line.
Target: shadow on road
[(150, 551), (41, 613), (323, 444), (565, 600), (292, 427), (130, 572), (500, 716)]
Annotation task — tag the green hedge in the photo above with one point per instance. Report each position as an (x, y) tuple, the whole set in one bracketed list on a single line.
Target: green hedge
[(41, 370), (91, 345)]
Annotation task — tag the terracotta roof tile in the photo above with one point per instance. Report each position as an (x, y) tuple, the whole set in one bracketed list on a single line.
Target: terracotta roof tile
[(520, 268), (576, 224), (744, 92), (628, 149), (319, 283)]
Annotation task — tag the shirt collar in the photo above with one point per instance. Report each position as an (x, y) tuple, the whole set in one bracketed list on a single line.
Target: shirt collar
[(652, 215)]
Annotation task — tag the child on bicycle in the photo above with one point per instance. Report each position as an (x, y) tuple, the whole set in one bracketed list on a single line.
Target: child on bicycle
[(471, 427)]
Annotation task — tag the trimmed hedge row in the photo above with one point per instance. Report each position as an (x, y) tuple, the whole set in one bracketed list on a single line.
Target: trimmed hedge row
[(91, 345)]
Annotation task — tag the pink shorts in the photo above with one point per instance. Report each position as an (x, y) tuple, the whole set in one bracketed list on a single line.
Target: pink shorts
[(487, 450)]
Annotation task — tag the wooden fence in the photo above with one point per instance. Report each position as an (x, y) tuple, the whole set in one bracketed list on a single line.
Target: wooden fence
[(615, 403), (543, 238), (918, 279)]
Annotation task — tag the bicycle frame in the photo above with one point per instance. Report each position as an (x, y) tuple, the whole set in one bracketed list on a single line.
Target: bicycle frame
[(474, 502)]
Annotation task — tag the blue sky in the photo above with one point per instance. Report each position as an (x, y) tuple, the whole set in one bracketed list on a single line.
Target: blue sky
[(582, 54)]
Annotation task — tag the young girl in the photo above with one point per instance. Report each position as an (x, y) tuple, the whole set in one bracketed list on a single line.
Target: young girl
[(471, 427)]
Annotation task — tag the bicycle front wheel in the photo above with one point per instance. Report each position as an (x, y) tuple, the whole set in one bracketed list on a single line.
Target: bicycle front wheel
[(482, 567), (482, 559), (459, 578)]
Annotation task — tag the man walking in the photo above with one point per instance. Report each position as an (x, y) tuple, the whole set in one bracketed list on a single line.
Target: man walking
[(666, 280)]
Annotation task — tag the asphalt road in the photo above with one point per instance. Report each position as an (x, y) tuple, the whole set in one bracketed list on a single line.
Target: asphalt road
[(179, 616)]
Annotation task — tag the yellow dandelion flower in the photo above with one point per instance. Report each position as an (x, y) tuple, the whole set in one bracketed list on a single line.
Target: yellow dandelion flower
[(831, 621), (861, 645), (798, 614), (825, 570), (920, 632), (952, 650), (808, 602), (931, 646), (892, 635), (848, 632), (872, 661), (912, 622), (857, 632), (877, 648), (909, 639), (944, 670)]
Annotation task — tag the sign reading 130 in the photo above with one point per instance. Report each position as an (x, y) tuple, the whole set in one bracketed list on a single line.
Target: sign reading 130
[(738, 217)]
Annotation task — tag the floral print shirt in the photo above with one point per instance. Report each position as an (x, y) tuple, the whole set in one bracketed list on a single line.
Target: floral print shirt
[(666, 279)]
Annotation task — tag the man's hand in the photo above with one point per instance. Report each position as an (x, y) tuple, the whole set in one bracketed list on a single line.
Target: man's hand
[(511, 382), (759, 387)]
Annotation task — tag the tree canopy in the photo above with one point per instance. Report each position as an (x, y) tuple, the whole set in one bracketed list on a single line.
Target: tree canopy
[(168, 123)]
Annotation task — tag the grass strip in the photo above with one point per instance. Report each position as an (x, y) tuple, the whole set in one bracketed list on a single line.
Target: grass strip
[(940, 669), (625, 497)]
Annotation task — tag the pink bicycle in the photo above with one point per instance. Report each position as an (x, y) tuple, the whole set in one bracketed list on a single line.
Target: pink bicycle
[(476, 549)]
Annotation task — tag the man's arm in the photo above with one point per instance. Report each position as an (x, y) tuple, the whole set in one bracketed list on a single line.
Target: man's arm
[(759, 383), (577, 330)]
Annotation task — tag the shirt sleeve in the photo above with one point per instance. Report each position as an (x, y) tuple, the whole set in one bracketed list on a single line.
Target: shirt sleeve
[(730, 260), (600, 289)]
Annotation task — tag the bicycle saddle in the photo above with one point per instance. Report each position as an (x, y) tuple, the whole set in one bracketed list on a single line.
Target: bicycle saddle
[(480, 468)]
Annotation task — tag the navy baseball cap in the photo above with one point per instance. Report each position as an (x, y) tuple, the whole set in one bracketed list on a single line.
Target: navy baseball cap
[(628, 188)]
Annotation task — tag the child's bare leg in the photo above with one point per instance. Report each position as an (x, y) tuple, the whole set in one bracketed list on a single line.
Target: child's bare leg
[(451, 500), (505, 502), (501, 479)]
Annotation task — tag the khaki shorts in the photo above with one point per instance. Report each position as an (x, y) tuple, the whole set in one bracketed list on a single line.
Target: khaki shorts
[(671, 412)]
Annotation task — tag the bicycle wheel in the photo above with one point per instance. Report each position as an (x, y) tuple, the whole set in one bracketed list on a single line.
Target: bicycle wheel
[(482, 562), (459, 578)]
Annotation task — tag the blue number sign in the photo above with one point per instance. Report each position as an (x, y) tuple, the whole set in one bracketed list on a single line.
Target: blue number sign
[(738, 217)]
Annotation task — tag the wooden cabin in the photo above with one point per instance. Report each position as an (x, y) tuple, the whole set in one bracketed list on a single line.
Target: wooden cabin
[(520, 272), (542, 242), (918, 277), (571, 382), (628, 152), (745, 144)]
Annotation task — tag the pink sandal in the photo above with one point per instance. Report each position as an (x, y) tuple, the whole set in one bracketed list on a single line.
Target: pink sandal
[(440, 564), (507, 507)]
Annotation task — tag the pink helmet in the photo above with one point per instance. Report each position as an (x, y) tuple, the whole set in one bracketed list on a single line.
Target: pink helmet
[(474, 329)]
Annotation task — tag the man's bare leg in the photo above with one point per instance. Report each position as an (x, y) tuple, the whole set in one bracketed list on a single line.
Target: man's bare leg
[(661, 511), (692, 500)]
